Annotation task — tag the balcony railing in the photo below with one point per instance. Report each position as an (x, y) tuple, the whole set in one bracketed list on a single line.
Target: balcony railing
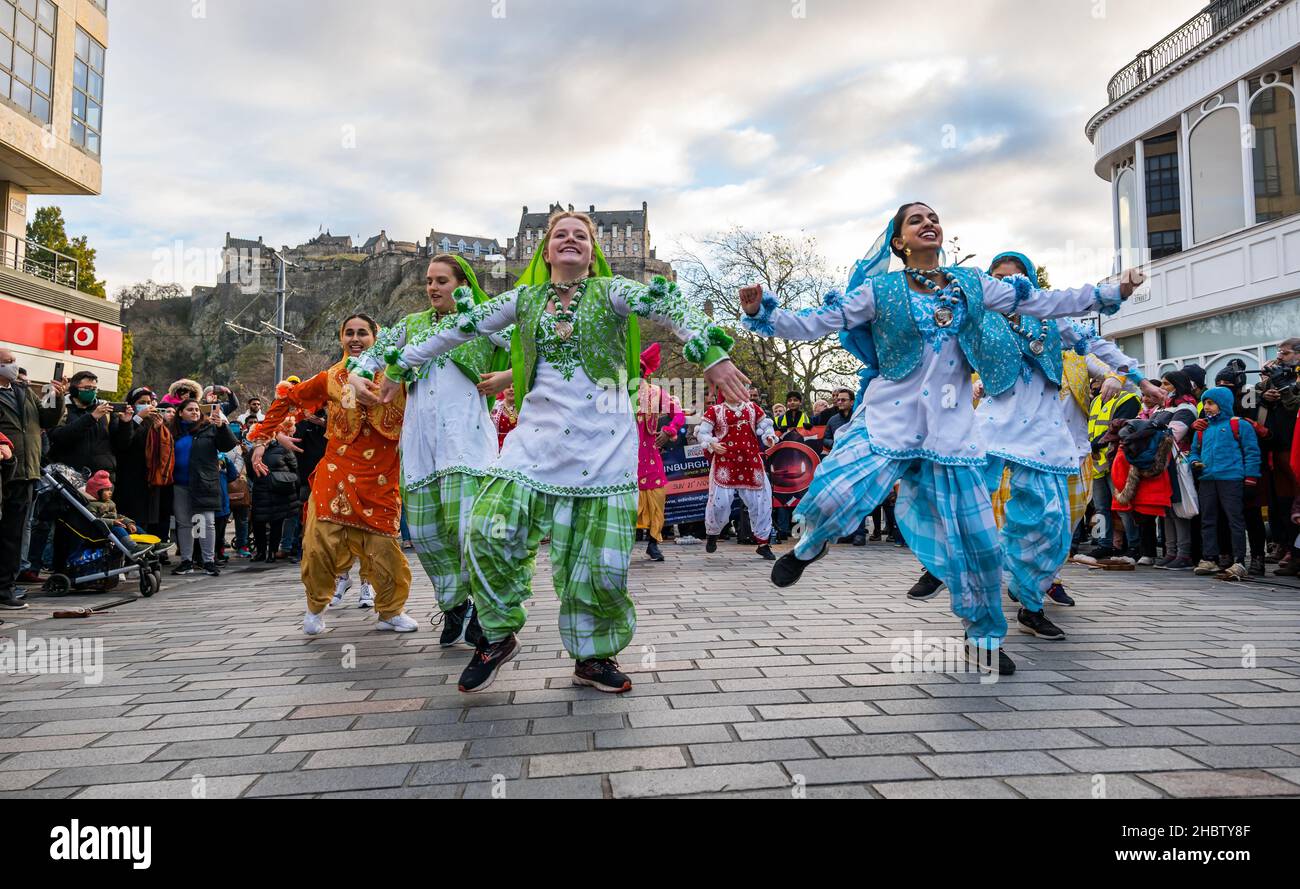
[(1195, 31), (37, 259)]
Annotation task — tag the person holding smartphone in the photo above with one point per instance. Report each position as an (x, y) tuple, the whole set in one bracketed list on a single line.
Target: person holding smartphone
[(91, 436)]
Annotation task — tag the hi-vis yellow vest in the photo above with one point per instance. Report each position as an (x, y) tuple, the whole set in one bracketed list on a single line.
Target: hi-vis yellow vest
[(1098, 421)]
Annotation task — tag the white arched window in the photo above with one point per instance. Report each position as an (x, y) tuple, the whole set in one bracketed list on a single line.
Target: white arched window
[(1126, 200), (1214, 153), (1272, 143)]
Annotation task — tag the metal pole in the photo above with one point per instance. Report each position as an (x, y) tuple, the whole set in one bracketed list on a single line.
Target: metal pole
[(279, 322)]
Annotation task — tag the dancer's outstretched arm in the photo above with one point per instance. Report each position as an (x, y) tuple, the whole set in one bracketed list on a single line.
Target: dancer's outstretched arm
[(764, 316), (1018, 294), (1089, 342), (704, 343)]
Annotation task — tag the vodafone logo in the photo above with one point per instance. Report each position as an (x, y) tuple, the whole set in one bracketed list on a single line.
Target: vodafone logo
[(82, 336)]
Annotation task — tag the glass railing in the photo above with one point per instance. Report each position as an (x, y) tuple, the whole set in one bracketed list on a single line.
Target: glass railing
[(36, 259)]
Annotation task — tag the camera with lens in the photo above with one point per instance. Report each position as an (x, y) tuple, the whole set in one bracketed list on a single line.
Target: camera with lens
[(1278, 378)]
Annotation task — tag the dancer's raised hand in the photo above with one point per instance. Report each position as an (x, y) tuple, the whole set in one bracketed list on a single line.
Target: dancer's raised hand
[(727, 378), (388, 390), (367, 391), (751, 298), (491, 383), (1130, 280)]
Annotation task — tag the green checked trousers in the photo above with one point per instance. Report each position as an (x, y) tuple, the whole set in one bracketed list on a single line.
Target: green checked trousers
[(591, 546), (437, 515)]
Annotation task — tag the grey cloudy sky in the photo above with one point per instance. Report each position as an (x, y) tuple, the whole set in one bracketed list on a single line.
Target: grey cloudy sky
[(277, 117)]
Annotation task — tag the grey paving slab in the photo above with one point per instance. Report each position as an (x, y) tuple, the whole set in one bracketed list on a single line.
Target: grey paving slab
[(752, 692)]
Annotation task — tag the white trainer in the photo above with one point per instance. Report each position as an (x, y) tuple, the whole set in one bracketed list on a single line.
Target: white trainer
[(399, 623), (367, 595), (341, 586), (313, 624)]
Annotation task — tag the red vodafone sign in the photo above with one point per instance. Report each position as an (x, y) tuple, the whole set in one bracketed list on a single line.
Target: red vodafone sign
[(83, 336)]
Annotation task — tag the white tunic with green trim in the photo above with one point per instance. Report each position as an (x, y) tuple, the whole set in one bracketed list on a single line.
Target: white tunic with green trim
[(576, 435), (446, 427)]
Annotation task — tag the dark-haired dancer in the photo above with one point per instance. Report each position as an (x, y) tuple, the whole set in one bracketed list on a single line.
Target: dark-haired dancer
[(356, 504), (448, 437), (931, 327)]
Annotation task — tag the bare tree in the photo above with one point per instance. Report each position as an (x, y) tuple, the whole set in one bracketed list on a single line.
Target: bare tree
[(146, 291), (793, 271)]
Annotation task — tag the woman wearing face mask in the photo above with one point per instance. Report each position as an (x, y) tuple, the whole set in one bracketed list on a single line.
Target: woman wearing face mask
[(448, 438), (199, 441), (569, 470), (931, 326), (133, 493), (355, 507)]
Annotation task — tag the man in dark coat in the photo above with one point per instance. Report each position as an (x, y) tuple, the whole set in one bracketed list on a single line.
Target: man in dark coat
[(92, 435), (21, 420)]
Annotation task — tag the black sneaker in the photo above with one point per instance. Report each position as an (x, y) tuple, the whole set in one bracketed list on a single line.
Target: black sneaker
[(453, 624), (1058, 594), (1105, 552), (652, 550), (861, 540), (789, 568), (13, 600), (473, 631), (488, 657), (211, 569), (926, 588), (1035, 623), (982, 658), (765, 551), (602, 674), (711, 544), (185, 567), (1256, 567)]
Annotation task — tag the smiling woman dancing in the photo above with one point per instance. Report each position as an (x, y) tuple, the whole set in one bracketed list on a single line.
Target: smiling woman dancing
[(569, 470), (931, 327)]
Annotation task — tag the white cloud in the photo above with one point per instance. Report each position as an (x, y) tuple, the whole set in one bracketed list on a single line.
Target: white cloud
[(713, 113)]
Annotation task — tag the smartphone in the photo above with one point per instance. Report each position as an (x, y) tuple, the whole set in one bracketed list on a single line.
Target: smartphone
[(58, 371), (118, 406), (206, 409)]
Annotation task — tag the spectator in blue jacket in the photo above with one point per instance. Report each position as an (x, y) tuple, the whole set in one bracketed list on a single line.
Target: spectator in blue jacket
[(1226, 455)]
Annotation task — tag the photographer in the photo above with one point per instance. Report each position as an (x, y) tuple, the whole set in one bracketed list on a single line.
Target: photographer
[(91, 436), (199, 437), (1279, 399)]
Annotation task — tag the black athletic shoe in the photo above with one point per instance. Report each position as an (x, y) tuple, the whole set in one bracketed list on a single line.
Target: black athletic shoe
[(211, 569), (711, 545), (185, 567), (861, 540), (926, 588), (789, 568), (473, 632), (488, 657), (1035, 623), (602, 674), (453, 625), (1105, 551), (652, 550), (1058, 594), (982, 658), (765, 551)]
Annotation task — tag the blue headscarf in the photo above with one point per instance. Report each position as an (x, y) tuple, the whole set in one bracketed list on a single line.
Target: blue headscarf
[(1031, 270)]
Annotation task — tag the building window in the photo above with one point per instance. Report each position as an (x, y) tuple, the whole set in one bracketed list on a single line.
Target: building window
[(1272, 121), (1164, 243), (27, 55), (87, 93), (1162, 177)]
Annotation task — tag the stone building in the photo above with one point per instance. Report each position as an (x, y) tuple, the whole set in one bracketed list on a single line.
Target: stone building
[(623, 235), (323, 245), (244, 260), (469, 245)]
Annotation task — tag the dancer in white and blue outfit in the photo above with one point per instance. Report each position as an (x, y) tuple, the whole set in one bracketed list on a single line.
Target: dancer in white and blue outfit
[(930, 327), (1025, 428)]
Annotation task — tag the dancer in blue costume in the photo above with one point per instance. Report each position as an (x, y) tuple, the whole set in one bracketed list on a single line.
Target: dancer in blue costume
[(931, 327), (1025, 429)]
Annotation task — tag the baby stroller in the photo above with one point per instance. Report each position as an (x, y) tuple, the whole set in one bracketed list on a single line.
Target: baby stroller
[(97, 559)]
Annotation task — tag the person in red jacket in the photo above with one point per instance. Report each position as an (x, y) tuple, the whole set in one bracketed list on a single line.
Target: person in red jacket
[(1147, 493)]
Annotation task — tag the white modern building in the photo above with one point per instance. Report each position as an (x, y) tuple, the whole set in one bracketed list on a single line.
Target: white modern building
[(1198, 142)]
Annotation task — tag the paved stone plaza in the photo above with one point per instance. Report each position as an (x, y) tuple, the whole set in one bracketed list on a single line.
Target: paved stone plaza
[(1169, 685)]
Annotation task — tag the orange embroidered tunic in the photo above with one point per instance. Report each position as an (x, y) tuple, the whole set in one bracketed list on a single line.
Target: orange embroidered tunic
[(357, 482)]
